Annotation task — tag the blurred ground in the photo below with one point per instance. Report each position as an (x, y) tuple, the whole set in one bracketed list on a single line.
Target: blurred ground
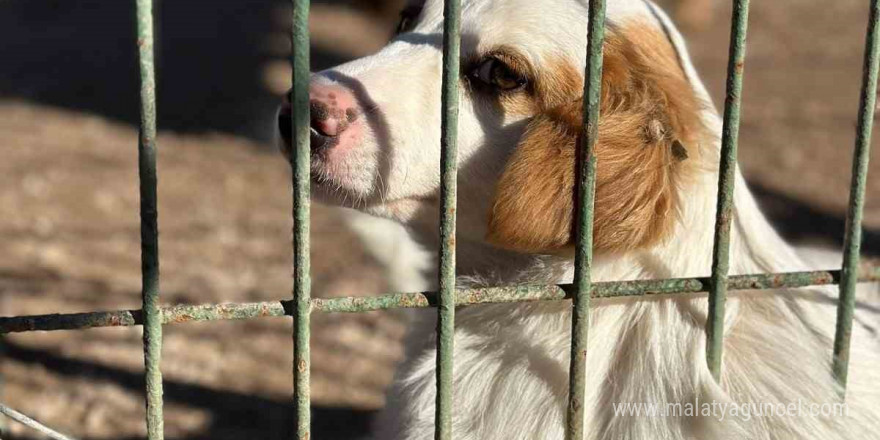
[(68, 200), (70, 241)]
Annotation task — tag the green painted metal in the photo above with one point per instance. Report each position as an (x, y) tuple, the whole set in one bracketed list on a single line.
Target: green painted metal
[(300, 164), (31, 423), (726, 179), (149, 223), (489, 295), (586, 166), (853, 237), (70, 321), (448, 203)]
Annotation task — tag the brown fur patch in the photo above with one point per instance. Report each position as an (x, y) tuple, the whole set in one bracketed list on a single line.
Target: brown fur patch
[(648, 112)]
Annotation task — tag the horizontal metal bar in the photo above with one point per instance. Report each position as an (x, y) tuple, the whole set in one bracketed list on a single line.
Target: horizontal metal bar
[(31, 423), (488, 295)]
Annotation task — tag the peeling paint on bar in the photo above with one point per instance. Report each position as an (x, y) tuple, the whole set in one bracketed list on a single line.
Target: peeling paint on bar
[(726, 180), (70, 321), (448, 202), (31, 423), (300, 164), (149, 223), (489, 295), (373, 303), (586, 166), (853, 235), (222, 312)]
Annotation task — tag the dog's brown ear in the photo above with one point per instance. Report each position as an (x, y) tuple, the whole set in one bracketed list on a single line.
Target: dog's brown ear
[(533, 203), (649, 127)]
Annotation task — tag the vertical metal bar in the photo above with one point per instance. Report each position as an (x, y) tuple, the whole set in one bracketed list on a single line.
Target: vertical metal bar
[(726, 179), (448, 200), (586, 166), (149, 223), (301, 214), (853, 239)]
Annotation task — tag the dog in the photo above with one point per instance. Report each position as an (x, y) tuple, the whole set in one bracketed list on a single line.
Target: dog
[(375, 130)]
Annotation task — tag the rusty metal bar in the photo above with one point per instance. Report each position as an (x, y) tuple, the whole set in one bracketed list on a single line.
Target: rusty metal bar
[(726, 179), (490, 295), (149, 223), (853, 235), (300, 164), (586, 166), (448, 201)]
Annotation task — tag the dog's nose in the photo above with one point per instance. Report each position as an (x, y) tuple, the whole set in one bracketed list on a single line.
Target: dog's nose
[(332, 110), (324, 127)]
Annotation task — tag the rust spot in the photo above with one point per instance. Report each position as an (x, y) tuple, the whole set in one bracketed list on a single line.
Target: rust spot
[(301, 367)]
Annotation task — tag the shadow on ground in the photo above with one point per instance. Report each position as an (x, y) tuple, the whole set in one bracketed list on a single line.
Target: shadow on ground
[(248, 415), (209, 58), (799, 222)]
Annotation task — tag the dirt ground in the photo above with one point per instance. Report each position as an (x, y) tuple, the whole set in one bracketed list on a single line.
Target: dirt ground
[(68, 202)]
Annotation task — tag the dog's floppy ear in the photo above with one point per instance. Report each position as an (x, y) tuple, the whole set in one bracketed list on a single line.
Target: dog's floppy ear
[(533, 203), (649, 126)]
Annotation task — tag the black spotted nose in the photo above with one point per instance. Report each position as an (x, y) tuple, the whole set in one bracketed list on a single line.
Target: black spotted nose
[(330, 114)]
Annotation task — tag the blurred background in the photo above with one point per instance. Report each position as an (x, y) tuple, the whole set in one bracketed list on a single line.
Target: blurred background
[(69, 228)]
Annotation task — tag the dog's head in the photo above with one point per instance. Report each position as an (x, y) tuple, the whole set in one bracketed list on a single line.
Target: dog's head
[(376, 124)]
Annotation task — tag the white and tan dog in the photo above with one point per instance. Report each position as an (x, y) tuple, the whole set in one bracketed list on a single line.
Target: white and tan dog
[(375, 147)]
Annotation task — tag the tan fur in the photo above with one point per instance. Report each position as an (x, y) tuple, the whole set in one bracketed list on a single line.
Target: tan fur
[(647, 105)]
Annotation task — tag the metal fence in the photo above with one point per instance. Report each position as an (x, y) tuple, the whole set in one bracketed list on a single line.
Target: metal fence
[(153, 316)]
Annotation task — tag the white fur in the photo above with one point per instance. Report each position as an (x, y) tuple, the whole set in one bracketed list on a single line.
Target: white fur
[(511, 361), (405, 262)]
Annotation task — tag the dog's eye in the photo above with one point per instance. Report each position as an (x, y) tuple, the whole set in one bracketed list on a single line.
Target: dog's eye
[(494, 73), (407, 19)]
